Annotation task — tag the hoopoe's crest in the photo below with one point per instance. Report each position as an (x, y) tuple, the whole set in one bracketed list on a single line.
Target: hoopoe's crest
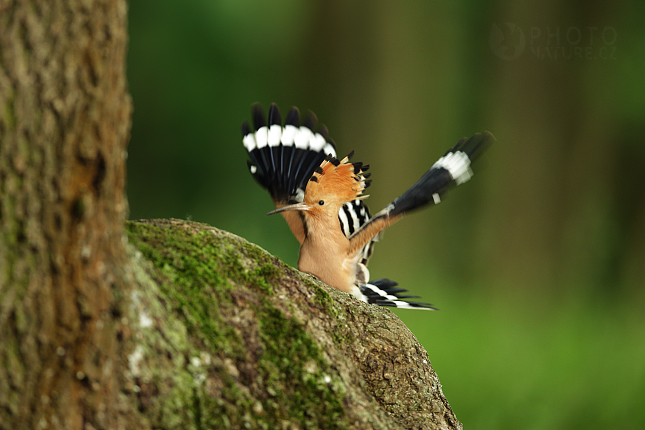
[(321, 198), (336, 182)]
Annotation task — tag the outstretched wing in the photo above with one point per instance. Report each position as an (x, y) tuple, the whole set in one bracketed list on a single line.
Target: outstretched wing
[(283, 158), (450, 170)]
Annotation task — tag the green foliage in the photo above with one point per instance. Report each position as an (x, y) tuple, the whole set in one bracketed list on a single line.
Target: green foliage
[(552, 220), (536, 366)]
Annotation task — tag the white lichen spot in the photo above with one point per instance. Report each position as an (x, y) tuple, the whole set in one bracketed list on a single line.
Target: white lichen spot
[(199, 375), (231, 369), (310, 367), (326, 379), (136, 308), (206, 358), (144, 320), (199, 378), (196, 361), (258, 408), (135, 299), (134, 361)]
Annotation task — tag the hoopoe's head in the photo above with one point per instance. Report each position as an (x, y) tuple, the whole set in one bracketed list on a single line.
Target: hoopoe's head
[(334, 183)]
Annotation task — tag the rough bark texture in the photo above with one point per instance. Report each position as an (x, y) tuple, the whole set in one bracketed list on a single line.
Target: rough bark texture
[(64, 123), (198, 329), (231, 337)]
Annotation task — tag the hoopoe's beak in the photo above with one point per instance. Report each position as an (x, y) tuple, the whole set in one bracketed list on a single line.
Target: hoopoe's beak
[(294, 207)]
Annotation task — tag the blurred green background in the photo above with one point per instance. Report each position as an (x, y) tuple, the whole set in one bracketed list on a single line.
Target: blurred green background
[(537, 264)]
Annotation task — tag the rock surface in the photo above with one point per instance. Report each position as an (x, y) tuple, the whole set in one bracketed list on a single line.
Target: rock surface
[(231, 337)]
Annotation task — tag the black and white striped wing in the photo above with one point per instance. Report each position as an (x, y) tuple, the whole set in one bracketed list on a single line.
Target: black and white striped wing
[(283, 158), (450, 170), (352, 216)]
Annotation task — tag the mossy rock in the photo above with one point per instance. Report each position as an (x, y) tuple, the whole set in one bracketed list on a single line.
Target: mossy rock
[(231, 337)]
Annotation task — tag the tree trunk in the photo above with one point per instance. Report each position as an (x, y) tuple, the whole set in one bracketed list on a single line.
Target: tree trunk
[(64, 123), (206, 331)]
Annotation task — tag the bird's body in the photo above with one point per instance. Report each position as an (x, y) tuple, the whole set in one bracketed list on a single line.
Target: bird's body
[(321, 199), (326, 256)]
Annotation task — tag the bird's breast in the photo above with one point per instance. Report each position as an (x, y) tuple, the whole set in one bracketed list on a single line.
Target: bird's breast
[(327, 259)]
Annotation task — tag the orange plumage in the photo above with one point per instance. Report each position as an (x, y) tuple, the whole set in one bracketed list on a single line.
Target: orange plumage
[(335, 182), (320, 198)]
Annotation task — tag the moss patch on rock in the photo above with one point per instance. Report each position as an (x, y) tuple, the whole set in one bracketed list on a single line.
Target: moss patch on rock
[(231, 337), (207, 283)]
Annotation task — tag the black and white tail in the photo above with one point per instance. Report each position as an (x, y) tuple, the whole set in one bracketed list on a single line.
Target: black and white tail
[(384, 292)]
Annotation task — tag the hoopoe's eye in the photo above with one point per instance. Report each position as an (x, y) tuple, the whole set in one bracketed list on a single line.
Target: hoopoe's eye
[(321, 202)]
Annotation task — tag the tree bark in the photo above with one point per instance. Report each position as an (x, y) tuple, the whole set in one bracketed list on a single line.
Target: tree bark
[(197, 329), (64, 123)]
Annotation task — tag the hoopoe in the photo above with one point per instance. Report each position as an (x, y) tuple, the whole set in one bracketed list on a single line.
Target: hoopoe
[(321, 198)]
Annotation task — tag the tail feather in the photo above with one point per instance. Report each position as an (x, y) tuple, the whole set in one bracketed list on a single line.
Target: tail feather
[(382, 292)]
